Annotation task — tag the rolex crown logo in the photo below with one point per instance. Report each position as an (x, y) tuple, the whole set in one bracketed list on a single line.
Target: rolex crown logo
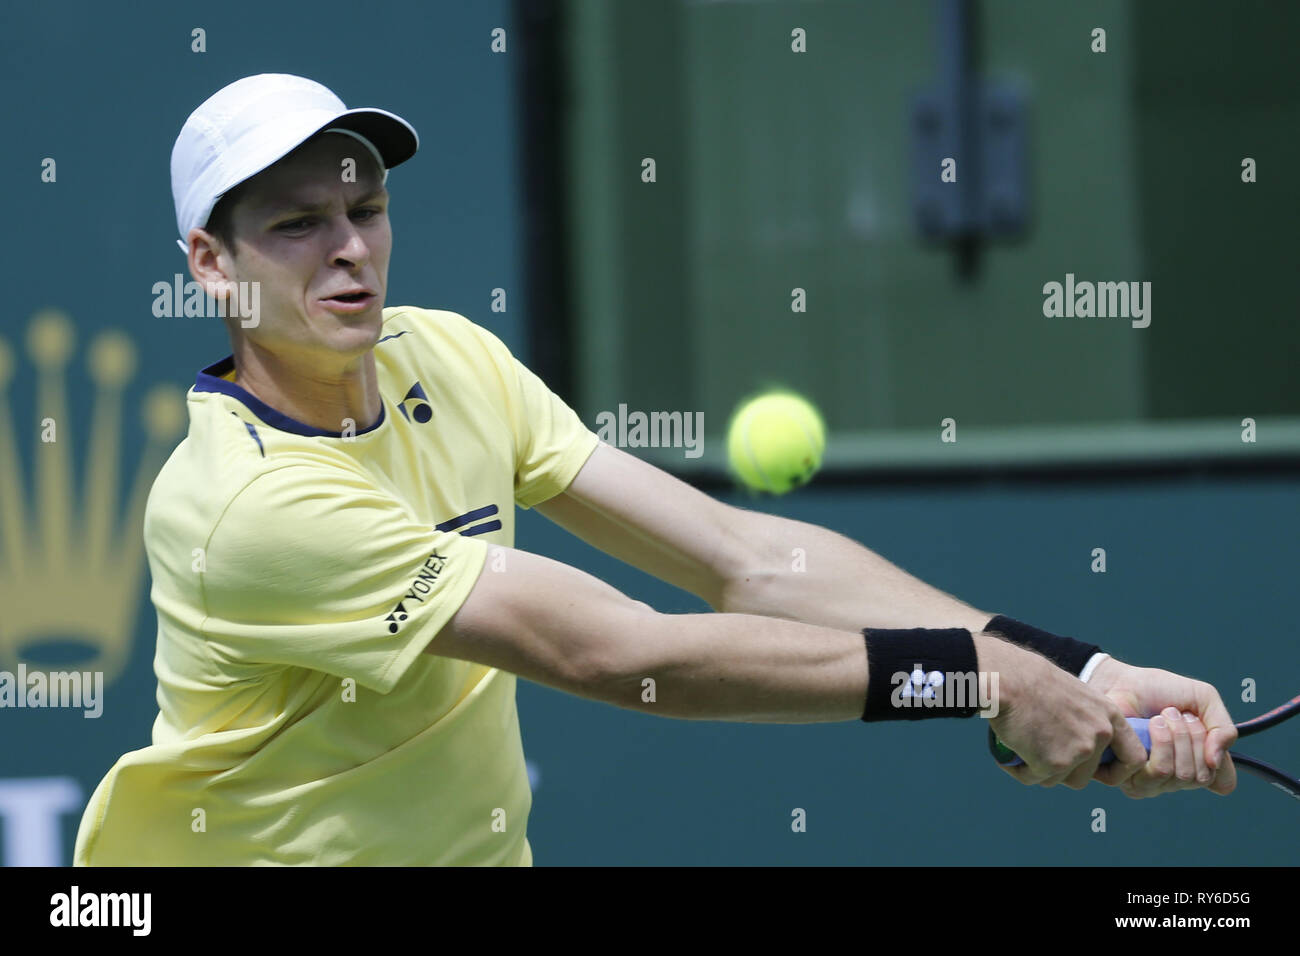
[(72, 551)]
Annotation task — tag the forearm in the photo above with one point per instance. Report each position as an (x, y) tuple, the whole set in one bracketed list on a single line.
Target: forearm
[(799, 571), (742, 667), (738, 667)]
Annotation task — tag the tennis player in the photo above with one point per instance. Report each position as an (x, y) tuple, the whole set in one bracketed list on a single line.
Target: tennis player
[(341, 613)]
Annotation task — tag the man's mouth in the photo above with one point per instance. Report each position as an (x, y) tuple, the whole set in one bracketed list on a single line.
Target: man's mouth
[(349, 302)]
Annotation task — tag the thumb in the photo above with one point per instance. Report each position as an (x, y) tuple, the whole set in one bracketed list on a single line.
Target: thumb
[(1221, 733), (1216, 745), (1125, 700)]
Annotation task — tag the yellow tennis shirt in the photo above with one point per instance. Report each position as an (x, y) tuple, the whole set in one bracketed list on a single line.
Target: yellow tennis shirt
[(298, 575)]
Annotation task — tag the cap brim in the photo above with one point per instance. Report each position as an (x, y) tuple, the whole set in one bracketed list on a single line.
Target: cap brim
[(395, 138)]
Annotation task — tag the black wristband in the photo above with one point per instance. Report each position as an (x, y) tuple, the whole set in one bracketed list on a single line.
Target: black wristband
[(917, 673), (1065, 652)]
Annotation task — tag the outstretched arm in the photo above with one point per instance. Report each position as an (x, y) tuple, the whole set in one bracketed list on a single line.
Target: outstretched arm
[(559, 626), (748, 562)]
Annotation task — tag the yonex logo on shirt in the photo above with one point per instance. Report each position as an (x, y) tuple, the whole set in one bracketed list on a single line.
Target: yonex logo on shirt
[(417, 400)]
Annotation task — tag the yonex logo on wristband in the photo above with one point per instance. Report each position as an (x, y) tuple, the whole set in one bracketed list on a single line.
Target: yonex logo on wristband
[(950, 690), (946, 685), (919, 683)]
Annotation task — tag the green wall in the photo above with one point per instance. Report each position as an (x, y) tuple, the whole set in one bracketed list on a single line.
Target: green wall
[(779, 170)]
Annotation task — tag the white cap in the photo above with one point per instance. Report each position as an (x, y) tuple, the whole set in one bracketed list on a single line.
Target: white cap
[(249, 125)]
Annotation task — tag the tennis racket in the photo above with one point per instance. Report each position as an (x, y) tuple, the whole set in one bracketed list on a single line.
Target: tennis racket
[(1252, 765)]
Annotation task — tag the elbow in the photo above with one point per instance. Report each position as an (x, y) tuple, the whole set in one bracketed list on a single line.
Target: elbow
[(737, 560), (730, 596), (753, 589), (725, 586), (755, 561)]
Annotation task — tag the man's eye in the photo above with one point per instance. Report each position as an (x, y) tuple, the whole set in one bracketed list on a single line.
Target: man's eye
[(295, 224), (371, 211)]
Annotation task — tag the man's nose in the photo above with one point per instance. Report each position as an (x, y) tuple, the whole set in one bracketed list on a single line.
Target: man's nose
[(349, 244)]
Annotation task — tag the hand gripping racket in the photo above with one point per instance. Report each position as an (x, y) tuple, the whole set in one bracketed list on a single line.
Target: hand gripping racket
[(1278, 778)]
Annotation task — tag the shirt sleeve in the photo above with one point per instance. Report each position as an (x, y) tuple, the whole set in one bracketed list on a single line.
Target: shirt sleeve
[(551, 442), (317, 568)]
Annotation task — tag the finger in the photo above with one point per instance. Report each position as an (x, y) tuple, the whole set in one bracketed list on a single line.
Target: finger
[(1083, 772), (1218, 739), (1082, 775), (1220, 732), (1066, 775), (1184, 764), (1132, 792), (1129, 754), (1225, 778), (1160, 765), (1196, 733), (1053, 779), (1023, 773)]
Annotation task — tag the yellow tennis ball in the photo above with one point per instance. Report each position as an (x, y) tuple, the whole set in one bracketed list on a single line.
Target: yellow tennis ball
[(775, 442)]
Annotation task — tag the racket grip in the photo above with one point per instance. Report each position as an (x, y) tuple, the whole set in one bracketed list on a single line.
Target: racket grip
[(1141, 726)]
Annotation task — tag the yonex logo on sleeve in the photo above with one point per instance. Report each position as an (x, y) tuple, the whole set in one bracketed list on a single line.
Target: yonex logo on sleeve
[(397, 617), (420, 588)]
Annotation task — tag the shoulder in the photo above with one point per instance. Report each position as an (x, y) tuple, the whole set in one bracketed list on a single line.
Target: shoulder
[(450, 327), (299, 497), (401, 319), (467, 356), (302, 522), (219, 489), (218, 457)]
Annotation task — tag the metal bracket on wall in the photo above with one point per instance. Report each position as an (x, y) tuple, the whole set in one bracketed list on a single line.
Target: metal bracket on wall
[(982, 127)]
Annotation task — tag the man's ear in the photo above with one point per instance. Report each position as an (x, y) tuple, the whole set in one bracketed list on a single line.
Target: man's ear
[(210, 264)]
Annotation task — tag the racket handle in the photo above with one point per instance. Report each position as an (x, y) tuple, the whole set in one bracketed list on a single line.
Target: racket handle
[(1008, 758)]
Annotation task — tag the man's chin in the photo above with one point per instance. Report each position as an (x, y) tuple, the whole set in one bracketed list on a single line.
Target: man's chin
[(361, 322)]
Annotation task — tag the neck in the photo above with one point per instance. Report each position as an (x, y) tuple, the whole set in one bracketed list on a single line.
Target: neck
[(325, 397)]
